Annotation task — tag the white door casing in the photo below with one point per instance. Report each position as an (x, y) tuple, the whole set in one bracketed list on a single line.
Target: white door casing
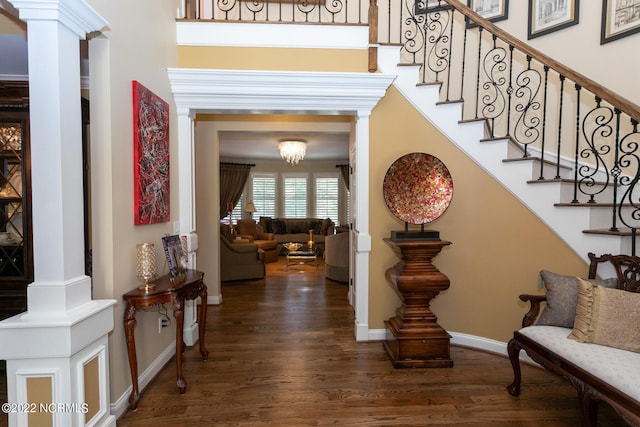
[(269, 92)]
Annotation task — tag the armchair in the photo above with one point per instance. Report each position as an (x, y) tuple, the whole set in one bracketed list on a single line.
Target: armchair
[(239, 261), (336, 257), (248, 229)]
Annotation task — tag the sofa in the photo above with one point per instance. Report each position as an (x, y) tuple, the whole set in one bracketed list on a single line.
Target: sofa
[(336, 257), (239, 260), (587, 333), (296, 230), (247, 229)]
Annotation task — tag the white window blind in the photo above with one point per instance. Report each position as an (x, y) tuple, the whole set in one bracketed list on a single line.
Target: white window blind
[(264, 195), (295, 197), (326, 198)]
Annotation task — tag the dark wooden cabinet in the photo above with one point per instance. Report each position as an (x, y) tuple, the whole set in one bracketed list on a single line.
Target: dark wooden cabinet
[(16, 252)]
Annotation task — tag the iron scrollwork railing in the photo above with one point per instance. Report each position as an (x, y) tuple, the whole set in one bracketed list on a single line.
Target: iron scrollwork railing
[(279, 11), (550, 112)]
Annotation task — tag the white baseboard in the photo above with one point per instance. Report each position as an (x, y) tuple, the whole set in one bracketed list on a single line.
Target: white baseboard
[(120, 406), (465, 340)]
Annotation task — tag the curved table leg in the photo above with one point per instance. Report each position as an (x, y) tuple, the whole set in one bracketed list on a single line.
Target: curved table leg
[(129, 327), (178, 314), (202, 320)]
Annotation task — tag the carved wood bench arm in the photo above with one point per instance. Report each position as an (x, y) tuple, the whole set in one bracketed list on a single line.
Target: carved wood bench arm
[(534, 309)]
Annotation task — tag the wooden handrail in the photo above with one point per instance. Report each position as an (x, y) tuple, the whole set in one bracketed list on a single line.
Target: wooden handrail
[(617, 101)]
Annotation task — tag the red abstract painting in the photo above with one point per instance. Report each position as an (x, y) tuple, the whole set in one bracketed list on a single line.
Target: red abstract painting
[(150, 156)]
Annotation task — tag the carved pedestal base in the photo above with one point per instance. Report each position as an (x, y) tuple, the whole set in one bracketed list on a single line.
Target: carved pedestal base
[(413, 337)]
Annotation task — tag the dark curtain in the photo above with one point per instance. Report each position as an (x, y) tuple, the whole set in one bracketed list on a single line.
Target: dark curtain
[(233, 177), (344, 170)]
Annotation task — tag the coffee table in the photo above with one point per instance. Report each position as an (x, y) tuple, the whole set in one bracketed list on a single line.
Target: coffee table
[(304, 255)]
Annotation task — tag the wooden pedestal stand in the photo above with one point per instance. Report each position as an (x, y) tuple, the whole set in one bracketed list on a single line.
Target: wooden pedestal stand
[(414, 338)]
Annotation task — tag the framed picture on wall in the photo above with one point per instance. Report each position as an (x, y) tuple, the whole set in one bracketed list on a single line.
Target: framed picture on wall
[(491, 10), (150, 156), (619, 19), (547, 16)]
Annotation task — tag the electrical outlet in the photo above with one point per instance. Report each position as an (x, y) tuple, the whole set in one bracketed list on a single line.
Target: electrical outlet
[(163, 322)]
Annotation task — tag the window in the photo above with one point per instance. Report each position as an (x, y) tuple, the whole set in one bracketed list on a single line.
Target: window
[(295, 196), (236, 213), (264, 194), (326, 198)]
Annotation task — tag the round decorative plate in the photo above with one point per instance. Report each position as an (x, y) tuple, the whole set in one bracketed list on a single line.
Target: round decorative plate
[(417, 188)]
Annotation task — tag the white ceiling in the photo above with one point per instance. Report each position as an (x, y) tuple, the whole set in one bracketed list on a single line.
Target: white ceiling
[(264, 145)]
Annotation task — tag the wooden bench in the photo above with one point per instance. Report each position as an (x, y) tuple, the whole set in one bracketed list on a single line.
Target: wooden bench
[(582, 364)]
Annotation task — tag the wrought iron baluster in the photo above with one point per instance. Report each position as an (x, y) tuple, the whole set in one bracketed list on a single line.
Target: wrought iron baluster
[(544, 123), (630, 162), (493, 99), (596, 129), (438, 40), (577, 142), (525, 130), (413, 32), (477, 109), (464, 61), (509, 91), (560, 115), (448, 82), (615, 173)]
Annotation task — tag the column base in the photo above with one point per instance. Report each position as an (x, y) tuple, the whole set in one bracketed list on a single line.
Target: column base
[(417, 350), (67, 356)]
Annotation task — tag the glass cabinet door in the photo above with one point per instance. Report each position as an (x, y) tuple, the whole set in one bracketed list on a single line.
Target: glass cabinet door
[(16, 261)]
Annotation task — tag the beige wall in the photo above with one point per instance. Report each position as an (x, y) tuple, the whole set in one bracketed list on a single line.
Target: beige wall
[(247, 58), (498, 245), (138, 45)]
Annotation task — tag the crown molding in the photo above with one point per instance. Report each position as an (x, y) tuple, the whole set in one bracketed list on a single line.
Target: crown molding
[(207, 90), (76, 15)]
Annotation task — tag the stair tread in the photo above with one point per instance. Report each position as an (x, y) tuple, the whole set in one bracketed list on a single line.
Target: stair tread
[(593, 205), (535, 158), (622, 231), (561, 180)]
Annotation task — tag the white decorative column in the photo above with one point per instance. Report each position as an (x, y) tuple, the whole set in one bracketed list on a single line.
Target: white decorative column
[(187, 184), (57, 352), (362, 238)]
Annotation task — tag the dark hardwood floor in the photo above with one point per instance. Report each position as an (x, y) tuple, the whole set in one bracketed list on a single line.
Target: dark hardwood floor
[(282, 353)]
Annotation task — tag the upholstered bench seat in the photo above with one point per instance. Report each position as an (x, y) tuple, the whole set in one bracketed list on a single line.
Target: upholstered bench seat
[(619, 368)]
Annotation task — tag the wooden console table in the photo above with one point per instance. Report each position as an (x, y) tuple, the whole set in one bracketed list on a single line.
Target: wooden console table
[(414, 338), (189, 287)]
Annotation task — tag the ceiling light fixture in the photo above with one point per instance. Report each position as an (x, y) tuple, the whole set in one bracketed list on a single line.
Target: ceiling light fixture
[(292, 150)]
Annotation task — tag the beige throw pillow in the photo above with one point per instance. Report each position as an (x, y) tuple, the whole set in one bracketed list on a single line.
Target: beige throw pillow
[(609, 317)]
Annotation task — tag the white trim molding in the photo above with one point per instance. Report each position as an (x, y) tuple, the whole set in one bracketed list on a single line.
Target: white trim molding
[(263, 35), (272, 92)]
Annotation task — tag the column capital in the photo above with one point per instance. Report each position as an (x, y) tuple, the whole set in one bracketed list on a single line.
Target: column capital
[(76, 15)]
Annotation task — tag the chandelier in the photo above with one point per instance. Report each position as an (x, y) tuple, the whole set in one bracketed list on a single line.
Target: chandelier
[(292, 150)]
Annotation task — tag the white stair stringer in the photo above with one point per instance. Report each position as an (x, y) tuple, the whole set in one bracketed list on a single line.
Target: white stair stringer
[(568, 224)]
